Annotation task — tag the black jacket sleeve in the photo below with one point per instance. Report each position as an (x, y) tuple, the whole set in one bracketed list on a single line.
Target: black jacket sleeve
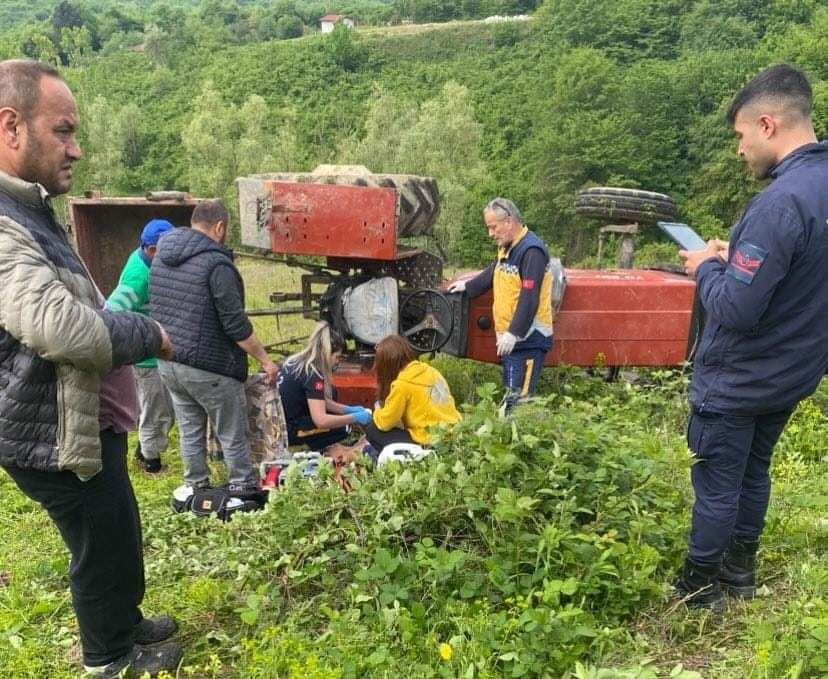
[(482, 282), (227, 297), (532, 268), (135, 337)]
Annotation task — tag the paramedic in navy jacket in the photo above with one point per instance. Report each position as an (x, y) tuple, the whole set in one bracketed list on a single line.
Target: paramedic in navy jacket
[(765, 343)]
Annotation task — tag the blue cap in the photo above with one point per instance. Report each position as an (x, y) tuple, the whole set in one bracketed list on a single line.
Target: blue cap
[(154, 229)]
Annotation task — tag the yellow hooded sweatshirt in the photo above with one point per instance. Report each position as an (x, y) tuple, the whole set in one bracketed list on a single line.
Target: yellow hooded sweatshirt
[(419, 398)]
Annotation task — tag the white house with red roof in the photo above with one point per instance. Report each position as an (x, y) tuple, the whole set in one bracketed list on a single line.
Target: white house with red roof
[(329, 21)]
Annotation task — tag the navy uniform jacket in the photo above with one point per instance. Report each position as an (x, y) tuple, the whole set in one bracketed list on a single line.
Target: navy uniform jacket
[(765, 344)]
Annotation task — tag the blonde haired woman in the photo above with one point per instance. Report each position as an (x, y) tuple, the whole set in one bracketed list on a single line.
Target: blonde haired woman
[(314, 417)]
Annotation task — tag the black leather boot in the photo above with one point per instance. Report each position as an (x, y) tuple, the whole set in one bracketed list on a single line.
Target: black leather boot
[(738, 573), (141, 661), (698, 587)]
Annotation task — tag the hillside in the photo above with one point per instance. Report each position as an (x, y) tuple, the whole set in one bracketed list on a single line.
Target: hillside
[(543, 108)]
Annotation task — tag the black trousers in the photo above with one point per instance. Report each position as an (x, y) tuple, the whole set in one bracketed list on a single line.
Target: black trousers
[(379, 439), (99, 522), (304, 433), (731, 480)]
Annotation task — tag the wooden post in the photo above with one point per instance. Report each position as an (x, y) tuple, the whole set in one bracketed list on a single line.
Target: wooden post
[(626, 248)]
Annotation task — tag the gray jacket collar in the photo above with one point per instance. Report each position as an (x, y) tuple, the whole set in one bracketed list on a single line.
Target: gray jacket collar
[(33, 195)]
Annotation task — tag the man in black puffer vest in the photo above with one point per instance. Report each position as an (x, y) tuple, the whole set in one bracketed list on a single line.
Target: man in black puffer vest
[(197, 295), (67, 391)]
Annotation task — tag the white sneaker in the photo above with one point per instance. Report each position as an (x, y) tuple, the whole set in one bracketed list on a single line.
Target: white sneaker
[(183, 493)]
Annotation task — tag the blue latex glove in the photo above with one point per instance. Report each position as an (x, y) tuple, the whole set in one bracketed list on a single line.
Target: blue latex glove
[(363, 417), (352, 410)]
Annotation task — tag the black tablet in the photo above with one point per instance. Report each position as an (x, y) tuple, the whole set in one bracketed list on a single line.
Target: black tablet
[(683, 236)]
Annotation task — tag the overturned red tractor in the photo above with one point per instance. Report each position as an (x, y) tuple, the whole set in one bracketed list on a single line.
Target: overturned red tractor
[(373, 284), (349, 229)]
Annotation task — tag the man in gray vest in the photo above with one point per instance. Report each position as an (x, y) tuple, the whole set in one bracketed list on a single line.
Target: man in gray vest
[(68, 394), (197, 294)]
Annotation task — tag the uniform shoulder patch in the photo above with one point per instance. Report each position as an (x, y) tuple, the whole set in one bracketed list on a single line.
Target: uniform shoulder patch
[(746, 261)]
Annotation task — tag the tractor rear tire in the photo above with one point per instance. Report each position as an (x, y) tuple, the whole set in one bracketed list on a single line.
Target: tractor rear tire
[(634, 205), (418, 198)]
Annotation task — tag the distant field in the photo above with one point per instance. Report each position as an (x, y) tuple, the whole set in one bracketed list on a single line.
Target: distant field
[(261, 278)]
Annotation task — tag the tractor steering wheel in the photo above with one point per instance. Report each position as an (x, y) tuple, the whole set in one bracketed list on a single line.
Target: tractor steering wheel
[(426, 320)]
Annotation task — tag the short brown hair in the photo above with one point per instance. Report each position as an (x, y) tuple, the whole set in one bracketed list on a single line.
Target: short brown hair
[(392, 355), (20, 84), (210, 212)]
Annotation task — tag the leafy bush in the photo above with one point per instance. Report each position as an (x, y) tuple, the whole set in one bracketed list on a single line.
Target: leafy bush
[(804, 435), (464, 376), (514, 551)]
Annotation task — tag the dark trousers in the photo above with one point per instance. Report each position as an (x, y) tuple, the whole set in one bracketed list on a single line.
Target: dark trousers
[(730, 479), (304, 433), (99, 522), (521, 371), (379, 439)]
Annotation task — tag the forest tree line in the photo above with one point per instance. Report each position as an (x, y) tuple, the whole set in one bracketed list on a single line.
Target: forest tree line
[(630, 93)]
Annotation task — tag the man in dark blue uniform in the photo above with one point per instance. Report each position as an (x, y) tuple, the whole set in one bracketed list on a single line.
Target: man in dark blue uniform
[(765, 343), (521, 285)]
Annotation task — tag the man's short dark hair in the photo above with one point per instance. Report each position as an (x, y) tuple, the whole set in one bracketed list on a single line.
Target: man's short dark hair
[(782, 85), (210, 212), (20, 84)]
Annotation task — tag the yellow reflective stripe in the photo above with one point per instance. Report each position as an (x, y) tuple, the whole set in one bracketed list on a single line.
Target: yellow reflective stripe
[(302, 433), (527, 376)]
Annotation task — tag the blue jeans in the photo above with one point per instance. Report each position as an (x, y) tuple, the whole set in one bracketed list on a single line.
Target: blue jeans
[(521, 371), (730, 478)]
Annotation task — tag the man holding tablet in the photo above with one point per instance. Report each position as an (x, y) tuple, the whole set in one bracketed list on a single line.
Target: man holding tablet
[(765, 343)]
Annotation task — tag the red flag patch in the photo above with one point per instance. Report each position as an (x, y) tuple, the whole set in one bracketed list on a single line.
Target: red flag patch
[(746, 261), (528, 284)]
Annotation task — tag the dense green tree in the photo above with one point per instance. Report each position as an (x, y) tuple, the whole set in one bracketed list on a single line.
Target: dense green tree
[(223, 141), (110, 143), (628, 30), (39, 45), (289, 26), (76, 45), (210, 141), (115, 21), (344, 48), (722, 25), (310, 12), (66, 15), (260, 150)]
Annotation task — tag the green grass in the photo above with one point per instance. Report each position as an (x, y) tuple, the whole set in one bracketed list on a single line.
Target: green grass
[(237, 604)]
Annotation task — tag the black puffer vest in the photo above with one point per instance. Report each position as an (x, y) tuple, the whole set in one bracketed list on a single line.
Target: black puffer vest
[(28, 387), (181, 301)]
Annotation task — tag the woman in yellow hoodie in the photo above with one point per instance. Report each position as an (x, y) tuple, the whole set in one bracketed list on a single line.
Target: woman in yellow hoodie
[(412, 396)]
